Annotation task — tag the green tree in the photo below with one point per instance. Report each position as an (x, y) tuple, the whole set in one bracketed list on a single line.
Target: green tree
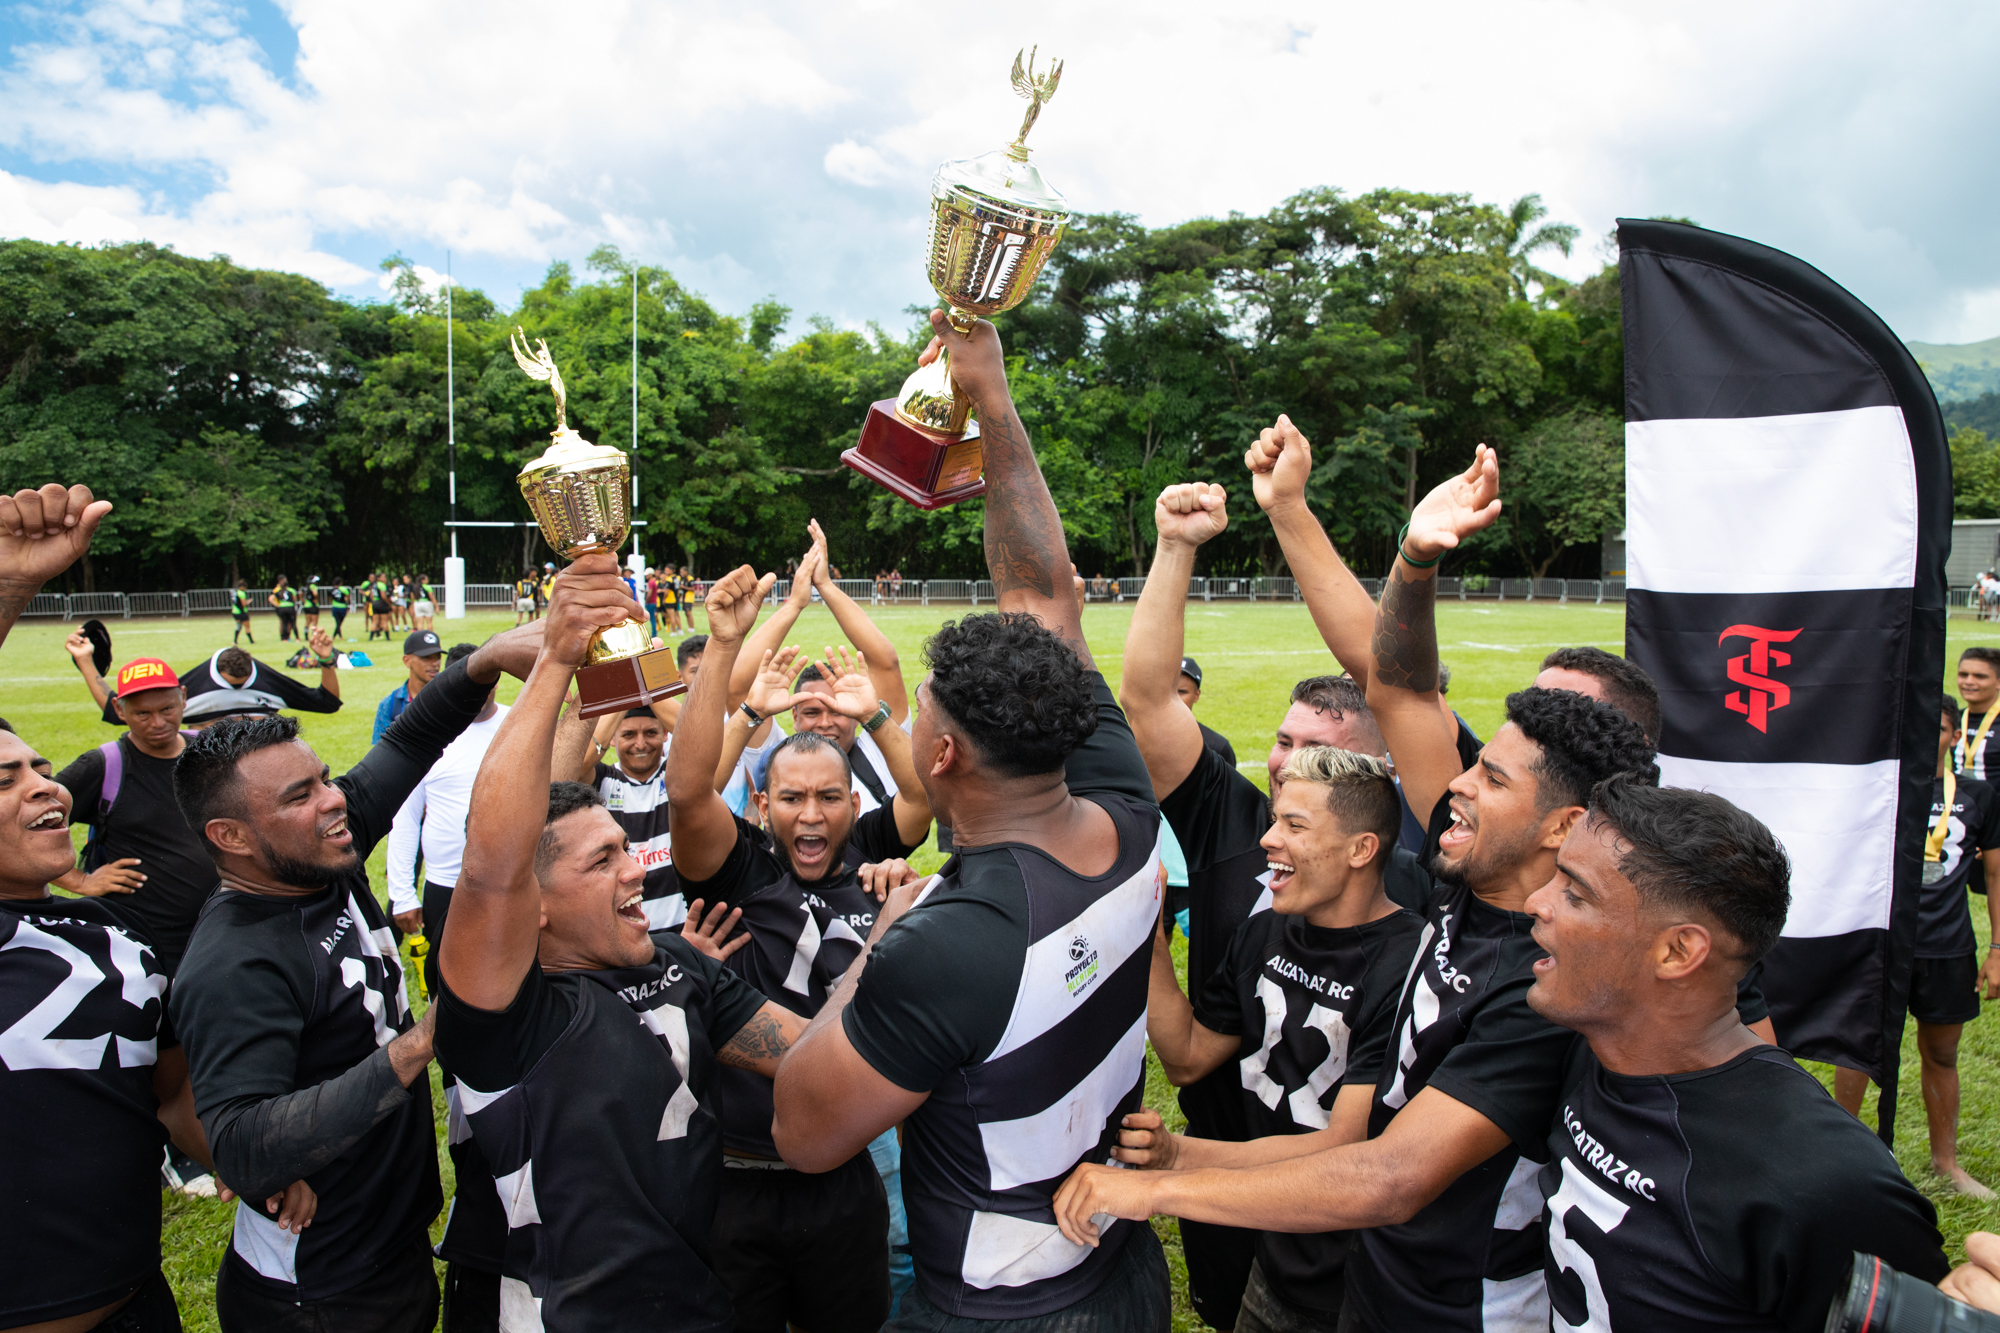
[(1562, 484), (1975, 474)]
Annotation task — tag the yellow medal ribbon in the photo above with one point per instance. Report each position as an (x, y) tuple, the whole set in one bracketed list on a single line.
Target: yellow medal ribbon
[(1934, 844), (1985, 725)]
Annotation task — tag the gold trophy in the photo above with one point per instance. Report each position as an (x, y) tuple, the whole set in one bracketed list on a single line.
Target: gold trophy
[(994, 222), (580, 493)]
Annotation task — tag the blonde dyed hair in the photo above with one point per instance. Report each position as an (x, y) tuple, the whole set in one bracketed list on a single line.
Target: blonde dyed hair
[(1359, 789)]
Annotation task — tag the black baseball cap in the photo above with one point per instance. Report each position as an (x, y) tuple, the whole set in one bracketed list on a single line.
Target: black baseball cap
[(423, 643), (1192, 670)]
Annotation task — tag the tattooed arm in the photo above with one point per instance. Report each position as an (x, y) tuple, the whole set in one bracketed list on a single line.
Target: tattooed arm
[(760, 1043), (41, 534), (1403, 686), (1026, 553)]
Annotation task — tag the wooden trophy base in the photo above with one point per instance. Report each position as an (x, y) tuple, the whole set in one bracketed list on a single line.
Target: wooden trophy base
[(629, 682), (928, 470)]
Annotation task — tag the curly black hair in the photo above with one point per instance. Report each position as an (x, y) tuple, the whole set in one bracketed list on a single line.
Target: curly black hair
[(565, 798), (205, 785), (1583, 742), (1019, 693), (1627, 686), (1692, 851)]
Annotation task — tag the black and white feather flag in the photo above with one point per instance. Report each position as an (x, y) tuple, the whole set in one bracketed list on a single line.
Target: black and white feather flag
[(1788, 493)]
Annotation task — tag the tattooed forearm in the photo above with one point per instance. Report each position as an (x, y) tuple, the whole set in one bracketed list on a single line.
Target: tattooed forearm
[(757, 1044), (1406, 646), (1024, 538)]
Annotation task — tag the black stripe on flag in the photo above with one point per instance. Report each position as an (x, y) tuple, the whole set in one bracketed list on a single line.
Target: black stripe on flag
[(1791, 677), (1832, 986)]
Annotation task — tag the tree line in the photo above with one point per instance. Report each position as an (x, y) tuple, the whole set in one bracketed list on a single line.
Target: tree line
[(249, 422)]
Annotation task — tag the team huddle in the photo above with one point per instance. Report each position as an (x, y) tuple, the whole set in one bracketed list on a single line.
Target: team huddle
[(1472, 1036)]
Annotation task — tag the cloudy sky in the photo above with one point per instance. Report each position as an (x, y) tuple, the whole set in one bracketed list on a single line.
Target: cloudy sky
[(785, 149)]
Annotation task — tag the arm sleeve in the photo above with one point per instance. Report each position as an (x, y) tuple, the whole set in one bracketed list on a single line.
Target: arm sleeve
[(1218, 1005), (382, 718), (726, 883), (1109, 760), (491, 1051), (1509, 1068), (377, 786), (298, 696), (926, 1004), (1215, 813), (876, 837), (84, 780), (261, 1145), (405, 839)]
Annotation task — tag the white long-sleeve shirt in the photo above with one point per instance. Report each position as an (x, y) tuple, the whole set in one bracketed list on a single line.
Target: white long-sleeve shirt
[(435, 815)]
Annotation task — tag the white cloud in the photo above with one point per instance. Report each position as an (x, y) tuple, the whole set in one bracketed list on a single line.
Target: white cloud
[(785, 148)]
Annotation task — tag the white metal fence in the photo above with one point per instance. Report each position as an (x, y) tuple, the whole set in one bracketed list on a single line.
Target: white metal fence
[(912, 592)]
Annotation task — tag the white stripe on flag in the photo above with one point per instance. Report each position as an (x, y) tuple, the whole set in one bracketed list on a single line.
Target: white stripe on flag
[(1837, 823), (1817, 501)]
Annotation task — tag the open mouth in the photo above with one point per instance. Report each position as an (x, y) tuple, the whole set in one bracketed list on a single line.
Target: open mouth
[(336, 832), (633, 911), (52, 822), (1282, 873), (809, 848), (1458, 835)]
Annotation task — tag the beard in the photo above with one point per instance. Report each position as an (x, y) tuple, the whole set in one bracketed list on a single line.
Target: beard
[(306, 874), (1485, 861)]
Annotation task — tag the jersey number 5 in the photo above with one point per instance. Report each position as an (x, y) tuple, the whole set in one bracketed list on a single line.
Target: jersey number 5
[(1588, 1197)]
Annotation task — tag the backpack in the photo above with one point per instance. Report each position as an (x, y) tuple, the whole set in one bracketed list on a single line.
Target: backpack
[(107, 794)]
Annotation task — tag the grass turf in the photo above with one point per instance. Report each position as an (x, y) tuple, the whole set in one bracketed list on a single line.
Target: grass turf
[(1250, 655)]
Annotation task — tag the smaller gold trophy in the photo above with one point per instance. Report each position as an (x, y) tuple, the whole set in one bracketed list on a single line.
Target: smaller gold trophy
[(580, 494), (994, 223)]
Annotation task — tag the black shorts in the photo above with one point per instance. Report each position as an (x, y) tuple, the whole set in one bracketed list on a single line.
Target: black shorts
[(809, 1250), (1945, 990)]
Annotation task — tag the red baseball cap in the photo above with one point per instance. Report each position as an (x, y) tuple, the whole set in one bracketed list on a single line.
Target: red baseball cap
[(145, 673)]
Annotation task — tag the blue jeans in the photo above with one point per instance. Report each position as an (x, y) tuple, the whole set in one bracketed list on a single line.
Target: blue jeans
[(1134, 1299)]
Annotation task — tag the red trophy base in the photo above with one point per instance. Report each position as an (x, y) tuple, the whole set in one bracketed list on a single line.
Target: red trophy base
[(629, 682), (928, 470)]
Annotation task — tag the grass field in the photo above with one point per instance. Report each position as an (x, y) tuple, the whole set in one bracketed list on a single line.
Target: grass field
[(1250, 656)]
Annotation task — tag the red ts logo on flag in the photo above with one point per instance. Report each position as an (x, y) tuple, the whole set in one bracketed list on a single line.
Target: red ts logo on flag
[(1764, 693)]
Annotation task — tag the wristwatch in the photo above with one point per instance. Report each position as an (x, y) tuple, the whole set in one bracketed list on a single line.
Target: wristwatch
[(874, 723)]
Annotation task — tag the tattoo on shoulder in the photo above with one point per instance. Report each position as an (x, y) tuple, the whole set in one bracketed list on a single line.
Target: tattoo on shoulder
[(757, 1041), (1406, 653)]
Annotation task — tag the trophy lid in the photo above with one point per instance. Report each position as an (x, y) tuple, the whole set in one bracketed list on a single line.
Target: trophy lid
[(1000, 177)]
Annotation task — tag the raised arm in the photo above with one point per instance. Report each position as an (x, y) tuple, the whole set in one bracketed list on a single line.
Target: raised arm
[(770, 635), (1027, 556), (41, 534), (1188, 1051), (1403, 687), (770, 694), (704, 830), (496, 910), (1280, 464), (854, 696), (884, 667), (82, 653), (321, 643), (1186, 516)]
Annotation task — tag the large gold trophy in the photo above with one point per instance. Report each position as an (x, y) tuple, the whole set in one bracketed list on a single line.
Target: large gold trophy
[(580, 493), (994, 222)]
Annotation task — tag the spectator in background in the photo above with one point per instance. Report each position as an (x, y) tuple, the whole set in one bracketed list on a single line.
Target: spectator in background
[(524, 598), (309, 598), (1188, 687), (229, 684), (423, 655), (425, 607), (337, 602), (286, 603), (239, 610), (652, 602)]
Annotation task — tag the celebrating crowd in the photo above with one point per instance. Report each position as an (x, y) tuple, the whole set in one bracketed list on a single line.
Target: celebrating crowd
[(1472, 1035)]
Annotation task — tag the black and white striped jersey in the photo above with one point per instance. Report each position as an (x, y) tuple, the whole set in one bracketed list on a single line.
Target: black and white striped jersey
[(1014, 992), (640, 807), (592, 1098), (1470, 1260), (1315, 1008), (81, 1024), (1726, 1198), (799, 946)]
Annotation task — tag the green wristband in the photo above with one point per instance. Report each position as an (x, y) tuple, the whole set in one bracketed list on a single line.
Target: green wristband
[(1413, 564)]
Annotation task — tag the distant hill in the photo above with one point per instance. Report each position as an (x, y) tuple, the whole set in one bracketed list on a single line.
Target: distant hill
[(1960, 371), (1981, 413)]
